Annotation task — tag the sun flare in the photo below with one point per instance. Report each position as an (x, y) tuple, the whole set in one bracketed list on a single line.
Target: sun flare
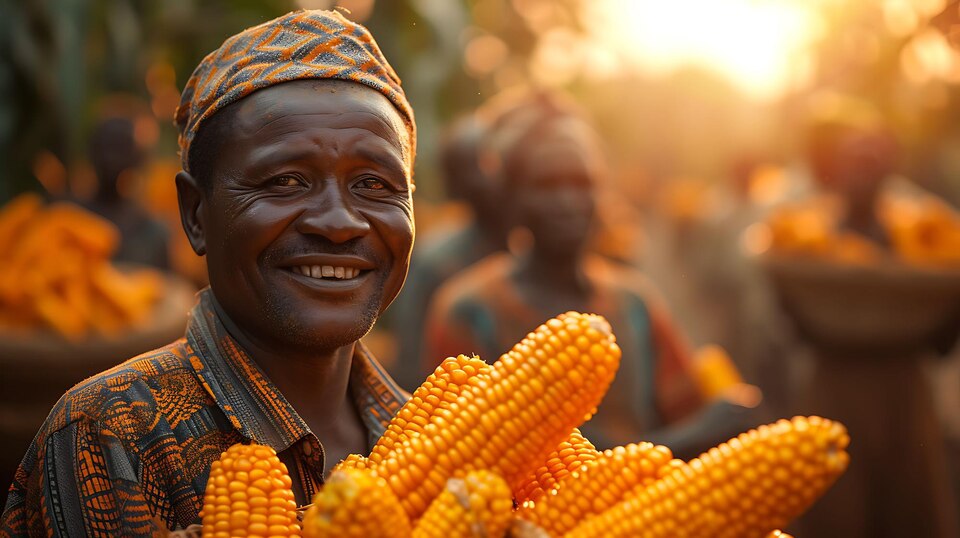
[(759, 45)]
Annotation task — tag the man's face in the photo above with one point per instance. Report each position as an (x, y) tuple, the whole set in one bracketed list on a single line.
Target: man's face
[(309, 222)]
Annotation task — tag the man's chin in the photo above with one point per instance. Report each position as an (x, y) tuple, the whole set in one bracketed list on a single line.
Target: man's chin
[(328, 335), (322, 323)]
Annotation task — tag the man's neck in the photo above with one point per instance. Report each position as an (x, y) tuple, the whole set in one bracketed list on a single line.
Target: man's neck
[(314, 382), (317, 387)]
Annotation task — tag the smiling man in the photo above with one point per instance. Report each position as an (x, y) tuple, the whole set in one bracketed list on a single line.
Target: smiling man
[(297, 145)]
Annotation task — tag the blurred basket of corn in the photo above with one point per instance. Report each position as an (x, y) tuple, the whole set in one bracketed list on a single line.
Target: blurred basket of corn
[(885, 309), (67, 312), (850, 295)]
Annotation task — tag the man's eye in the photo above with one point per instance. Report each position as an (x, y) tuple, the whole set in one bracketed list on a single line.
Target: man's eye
[(372, 183), (286, 181)]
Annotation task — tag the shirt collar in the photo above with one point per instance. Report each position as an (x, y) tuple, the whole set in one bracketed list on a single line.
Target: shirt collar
[(251, 402)]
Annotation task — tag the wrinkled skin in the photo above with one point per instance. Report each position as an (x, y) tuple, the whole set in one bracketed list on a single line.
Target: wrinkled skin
[(306, 173), (312, 174)]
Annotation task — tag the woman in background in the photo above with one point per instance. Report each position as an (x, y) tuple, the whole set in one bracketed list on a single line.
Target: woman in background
[(551, 164)]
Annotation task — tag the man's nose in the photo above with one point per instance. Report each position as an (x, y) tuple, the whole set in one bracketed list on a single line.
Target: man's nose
[(330, 215)]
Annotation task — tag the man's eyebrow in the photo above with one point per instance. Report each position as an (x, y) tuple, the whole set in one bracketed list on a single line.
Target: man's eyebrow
[(386, 159), (273, 154), (276, 154)]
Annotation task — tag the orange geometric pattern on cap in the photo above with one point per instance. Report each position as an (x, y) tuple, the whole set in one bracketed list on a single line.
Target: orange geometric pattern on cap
[(309, 44)]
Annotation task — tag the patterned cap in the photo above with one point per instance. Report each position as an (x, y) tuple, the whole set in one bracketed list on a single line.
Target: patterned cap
[(309, 44)]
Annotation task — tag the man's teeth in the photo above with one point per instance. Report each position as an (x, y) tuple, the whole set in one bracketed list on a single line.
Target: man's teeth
[(326, 271)]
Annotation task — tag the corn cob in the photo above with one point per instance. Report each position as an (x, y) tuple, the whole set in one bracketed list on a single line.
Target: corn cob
[(478, 504), (355, 503), (91, 232), (569, 456), (249, 494), (510, 421), (600, 484), (353, 461), (438, 391), (521, 528), (749, 486), (16, 216), (714, 371)]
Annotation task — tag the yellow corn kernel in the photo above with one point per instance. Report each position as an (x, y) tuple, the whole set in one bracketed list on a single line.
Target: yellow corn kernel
[(598, 485), (521, 528), (353, 461), (570, 455), (778, 534), (478, 504), (512, 418), (355, 503), (249, 494), (438, 391), (748, 486)]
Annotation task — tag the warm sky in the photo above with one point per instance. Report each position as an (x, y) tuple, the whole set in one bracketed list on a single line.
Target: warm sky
[(760, 45)]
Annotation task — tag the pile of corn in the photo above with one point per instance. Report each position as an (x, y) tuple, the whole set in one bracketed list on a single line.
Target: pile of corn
[(57, 274), (812, 229), (922, 230), (493, 450)]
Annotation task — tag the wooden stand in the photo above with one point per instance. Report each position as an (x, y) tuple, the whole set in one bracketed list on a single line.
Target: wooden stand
[(870, 329), (897, 484)]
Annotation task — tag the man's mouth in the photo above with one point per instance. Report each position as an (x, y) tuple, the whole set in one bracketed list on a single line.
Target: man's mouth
[(329, 272)]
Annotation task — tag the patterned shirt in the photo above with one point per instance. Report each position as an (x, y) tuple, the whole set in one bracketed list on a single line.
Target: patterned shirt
[(128, 452), (482, 311)]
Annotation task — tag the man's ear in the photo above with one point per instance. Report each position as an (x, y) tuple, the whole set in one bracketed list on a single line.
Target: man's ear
[(190, 197)]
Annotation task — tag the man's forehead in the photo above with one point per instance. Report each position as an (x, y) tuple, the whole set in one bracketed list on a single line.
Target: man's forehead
[(332, 98), (273, 115)]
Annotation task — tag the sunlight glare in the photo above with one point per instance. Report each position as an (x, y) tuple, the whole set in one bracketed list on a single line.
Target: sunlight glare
[(759, 45)]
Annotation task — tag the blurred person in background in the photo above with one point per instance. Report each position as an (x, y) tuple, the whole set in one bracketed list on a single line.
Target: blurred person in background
[(551, 163), (447, 252), (116, 158), (851, 152)]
